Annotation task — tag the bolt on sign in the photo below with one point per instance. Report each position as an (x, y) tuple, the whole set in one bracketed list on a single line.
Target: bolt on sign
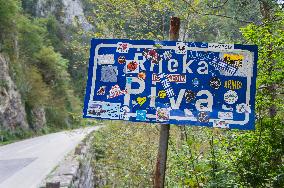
[(183, 83)]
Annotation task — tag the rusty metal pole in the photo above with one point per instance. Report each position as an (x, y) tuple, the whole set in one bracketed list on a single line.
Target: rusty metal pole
[(161, 164)]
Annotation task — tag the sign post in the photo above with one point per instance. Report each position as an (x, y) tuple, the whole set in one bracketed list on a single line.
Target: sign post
[(161, 164)]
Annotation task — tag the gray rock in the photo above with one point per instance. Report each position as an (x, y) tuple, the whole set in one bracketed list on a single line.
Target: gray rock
[(12, 111), (38, 116), (70, 12)]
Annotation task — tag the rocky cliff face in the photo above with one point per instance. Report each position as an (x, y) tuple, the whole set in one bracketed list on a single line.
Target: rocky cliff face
[(12, 111), (38, 118), (69, 12)]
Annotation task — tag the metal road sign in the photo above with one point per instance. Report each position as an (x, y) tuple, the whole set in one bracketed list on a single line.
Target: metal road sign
[(184, 83)]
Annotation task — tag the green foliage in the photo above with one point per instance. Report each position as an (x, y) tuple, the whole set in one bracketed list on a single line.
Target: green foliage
[(6, 136), (125, 155), (259, 161), (35, 46), (270, 40), (54, 70), (52, 66), (31, 37), (55, 33), (132, 19), (9, 10), (9, 13), (37, 93), (30, 6), (77, 52)]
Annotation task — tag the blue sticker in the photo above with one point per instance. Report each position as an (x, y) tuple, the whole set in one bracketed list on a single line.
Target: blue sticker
[(109, 73), (141, 115)]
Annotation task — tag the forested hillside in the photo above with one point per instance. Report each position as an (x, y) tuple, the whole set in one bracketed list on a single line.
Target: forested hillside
[(44, 51)]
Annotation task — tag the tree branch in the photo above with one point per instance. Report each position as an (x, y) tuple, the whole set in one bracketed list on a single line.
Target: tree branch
[(217, 15), (217, 7)]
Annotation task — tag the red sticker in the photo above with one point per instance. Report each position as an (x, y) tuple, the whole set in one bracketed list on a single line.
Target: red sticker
[(132, 66)]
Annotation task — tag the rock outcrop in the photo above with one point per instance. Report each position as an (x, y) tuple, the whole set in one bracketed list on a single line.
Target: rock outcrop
[(38, 118), (70, 12), (12, 111)]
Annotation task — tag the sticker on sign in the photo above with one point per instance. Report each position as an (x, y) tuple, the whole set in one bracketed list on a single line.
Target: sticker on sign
[(182, 83)]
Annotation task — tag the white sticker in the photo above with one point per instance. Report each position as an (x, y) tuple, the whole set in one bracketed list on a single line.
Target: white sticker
[(104, 110), (124, 113), (167, 55), (224, 68), (181, 48), (106, 59), (220, 124), (216, 46), (111, 110), (162, 114), (225, 115), (122, 47), (243, 108), (225, 107), (115, 91), (95, 109), (231, 97)]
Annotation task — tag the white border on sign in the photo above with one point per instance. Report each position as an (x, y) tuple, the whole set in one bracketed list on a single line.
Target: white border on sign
[(249, 78)]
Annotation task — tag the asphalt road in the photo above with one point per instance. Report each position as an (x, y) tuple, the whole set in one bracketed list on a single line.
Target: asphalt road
[(26, 163)]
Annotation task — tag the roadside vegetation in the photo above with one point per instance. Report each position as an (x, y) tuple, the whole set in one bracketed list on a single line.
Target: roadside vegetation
[(199, 157)]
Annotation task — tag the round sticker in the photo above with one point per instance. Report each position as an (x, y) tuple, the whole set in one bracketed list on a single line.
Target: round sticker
[(162, 94), (121, 60), (142, 75), (189, 96), (231, 97), (102, 90), (132, 66), (203, 117), (215, 82)]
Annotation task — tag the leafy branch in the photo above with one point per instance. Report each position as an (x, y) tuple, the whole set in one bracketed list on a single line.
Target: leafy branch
[(217, 15)]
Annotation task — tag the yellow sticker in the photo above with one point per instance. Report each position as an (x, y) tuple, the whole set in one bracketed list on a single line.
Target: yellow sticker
[(162, 94), (141, 100), (233, 84), (234, 57), (235, 60)]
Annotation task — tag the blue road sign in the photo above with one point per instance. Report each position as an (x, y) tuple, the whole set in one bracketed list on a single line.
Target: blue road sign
[(183, 83)]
